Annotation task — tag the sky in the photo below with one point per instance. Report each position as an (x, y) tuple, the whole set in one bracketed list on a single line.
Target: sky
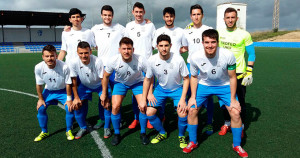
[(259, 12)]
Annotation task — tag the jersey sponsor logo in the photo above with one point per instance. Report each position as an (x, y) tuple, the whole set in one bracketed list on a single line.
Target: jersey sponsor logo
[(157, 65), (101, 29), (121, 66), (190, 32), (81, 67), (72, 34), (44, 73), (203, 64), (132, 28)]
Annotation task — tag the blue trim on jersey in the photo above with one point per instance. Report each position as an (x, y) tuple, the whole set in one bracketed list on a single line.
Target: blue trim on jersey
[(251, 52), (86, 93), (51, 97), (121, 89)]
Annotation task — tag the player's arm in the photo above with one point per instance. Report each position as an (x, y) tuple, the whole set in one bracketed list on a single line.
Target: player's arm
[(61, 55), (193, 85), (146, 87), (251, 59), (69, 98), (39, 90), (105, 81), (76, 102), (182, 104), (150, 97), (233, 85)]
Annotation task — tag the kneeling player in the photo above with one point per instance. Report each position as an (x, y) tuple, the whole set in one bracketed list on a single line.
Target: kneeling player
[(56, 75), (169, 69), (89, 69), (217, 77), (128, 69)]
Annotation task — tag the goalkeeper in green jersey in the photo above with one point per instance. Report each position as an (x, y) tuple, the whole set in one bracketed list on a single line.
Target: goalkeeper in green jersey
[(237, 41)]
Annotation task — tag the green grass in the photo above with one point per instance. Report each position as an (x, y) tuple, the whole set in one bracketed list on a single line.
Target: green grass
[(258, 36), (272, 116)]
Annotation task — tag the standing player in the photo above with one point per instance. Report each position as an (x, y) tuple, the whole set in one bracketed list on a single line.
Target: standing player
[(217, 77), (56, 75), (193, 33), (176, 34), (169, 68), (237, 41), (89, 70), (142, 33), (128, 69), (107, 35), (71, 39)]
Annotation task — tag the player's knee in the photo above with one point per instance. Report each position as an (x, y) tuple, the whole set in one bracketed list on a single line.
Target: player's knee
[(115, 109), (151, 111), (193, 112), (235, 114)]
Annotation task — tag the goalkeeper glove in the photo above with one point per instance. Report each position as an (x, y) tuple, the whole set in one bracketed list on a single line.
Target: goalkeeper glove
[(248, 77)]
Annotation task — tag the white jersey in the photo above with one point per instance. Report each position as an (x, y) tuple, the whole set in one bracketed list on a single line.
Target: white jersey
[(176, 34), (213, 71), (56, 78), (90, 74), (194, 38), (70, 40), (169, 73), (107, 39), (127, 73), (142, 36)]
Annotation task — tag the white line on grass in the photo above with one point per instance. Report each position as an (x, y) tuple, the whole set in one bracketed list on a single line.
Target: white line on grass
[(101, 145)]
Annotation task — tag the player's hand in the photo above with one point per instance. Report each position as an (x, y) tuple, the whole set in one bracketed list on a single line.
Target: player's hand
[(106, 104), (234, 104), (77, 103), (103, 98), (39, 104), (248, 77), (70, 105), (143, 106), (181, 107), (148, 21), (151, 99), (192, 101), (67, 28)]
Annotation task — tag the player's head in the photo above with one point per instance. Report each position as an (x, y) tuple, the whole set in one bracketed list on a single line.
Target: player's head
[(49, 55), (138, 12), (126, 49), (107, 14), (230, 18), (196, 13), (169, 16), (75, 17), (84, 52), (164, 46), (210, 39)]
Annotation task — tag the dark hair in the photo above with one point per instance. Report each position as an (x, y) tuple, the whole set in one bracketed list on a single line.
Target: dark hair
[(75, 11), (125, 40), (196, 6), (107, 8), (169, 10), (139, 5), (229, 10), (49, 48), (83, 44), (211, 33), (163, 37)]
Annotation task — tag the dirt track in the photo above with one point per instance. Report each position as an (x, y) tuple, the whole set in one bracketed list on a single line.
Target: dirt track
[(289, 37)]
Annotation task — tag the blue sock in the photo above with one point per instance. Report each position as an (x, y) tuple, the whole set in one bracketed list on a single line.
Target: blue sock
[(80, 115), (101, 110), (182, 124), (156, 123), (115, 119), (69, 118), (135, 108), (107, 114), (43, 118), (193, 133), (210, 110), (236, 134), (143, 122), (161, 112)]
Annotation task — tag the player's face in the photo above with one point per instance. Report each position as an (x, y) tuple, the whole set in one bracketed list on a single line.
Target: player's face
[(84, 55), (107, 17), (196, 16), (126, 51), (49, 58), (169, 19), (164, 48), (138, 14), (230, 19), (76, 20), (210, 46)]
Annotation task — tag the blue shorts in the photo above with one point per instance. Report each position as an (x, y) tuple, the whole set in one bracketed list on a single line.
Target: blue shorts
[(161, 95), (86, 93), (222, 92), (51, 97), (121, 89)]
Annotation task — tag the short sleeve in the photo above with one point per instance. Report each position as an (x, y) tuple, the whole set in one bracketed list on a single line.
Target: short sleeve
[(193, 68), (248, 39), (67, 75), (38, 78), (99, 67)]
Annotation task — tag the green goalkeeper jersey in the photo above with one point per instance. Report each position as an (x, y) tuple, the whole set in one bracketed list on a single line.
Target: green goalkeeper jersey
[(236, 41)]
